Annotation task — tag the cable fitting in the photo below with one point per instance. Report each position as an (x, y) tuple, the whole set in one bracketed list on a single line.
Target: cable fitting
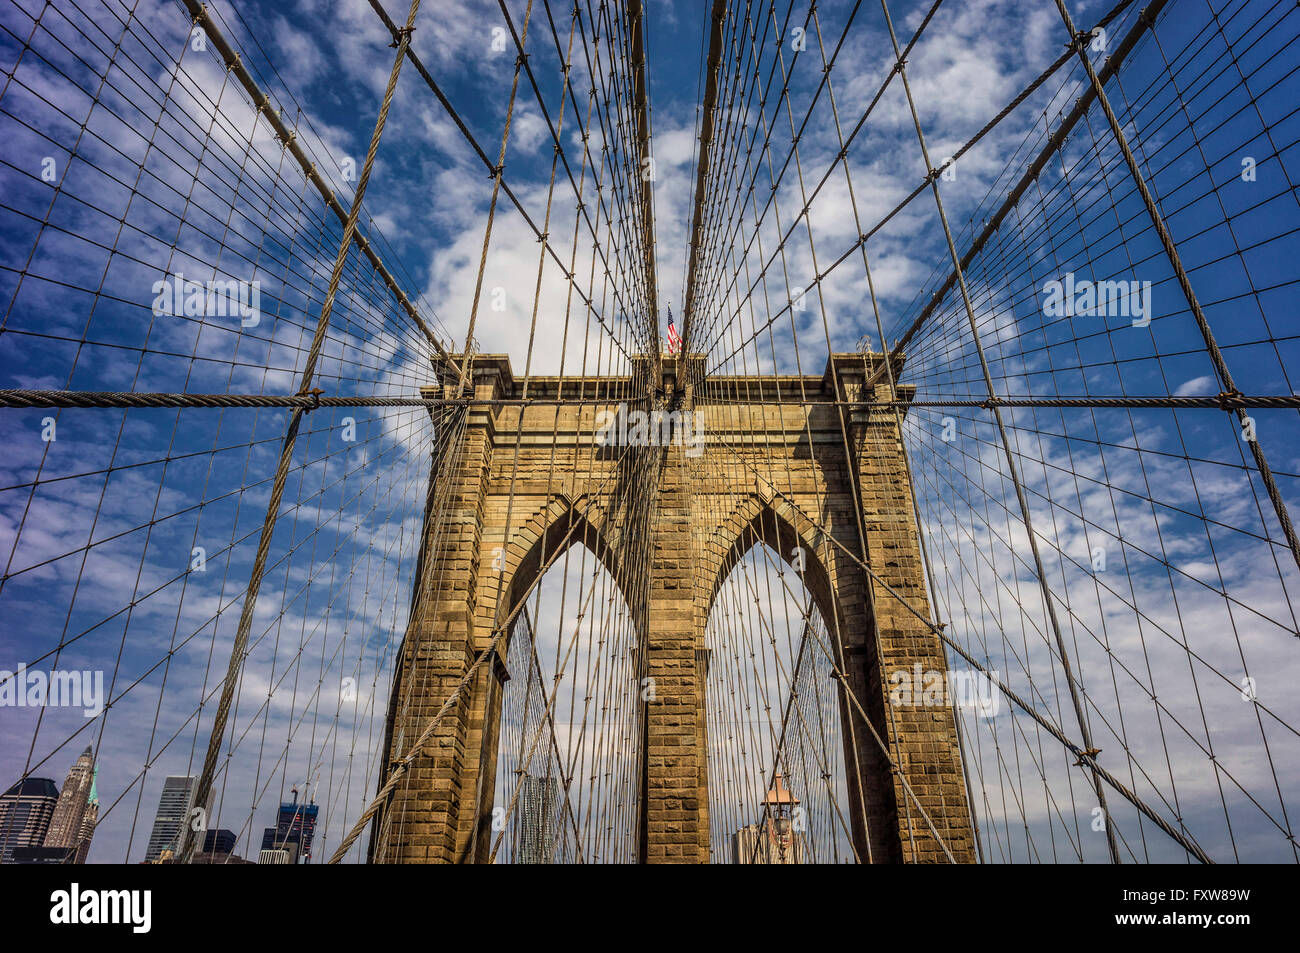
[(314, 394), (1091, 754), (1229, 400)]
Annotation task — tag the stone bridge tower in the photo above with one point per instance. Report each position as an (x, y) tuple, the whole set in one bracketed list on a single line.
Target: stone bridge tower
[(798, 470)]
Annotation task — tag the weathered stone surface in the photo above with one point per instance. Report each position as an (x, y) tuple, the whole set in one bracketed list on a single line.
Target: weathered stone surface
[(782, 464)]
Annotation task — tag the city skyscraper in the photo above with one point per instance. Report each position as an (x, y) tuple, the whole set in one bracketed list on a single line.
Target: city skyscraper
[(70, 811), (25, 812), (174, 807), (295, 826), (88, 819), (538, 799)]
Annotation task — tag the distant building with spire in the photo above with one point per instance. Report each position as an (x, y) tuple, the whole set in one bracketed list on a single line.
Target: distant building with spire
[(68, 825), (25, 812), (773, 840), (88, 820)]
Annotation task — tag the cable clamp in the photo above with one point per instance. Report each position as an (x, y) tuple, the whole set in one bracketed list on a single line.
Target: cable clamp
[(401, 34), (314, 394), (1090, 753), (1080, 41), (1229, 400), (992, 402)]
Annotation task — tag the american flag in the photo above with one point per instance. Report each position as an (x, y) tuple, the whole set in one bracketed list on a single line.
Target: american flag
[(674, 342)]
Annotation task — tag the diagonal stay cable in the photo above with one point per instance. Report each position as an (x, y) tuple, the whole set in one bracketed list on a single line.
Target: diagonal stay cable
[(237, 651)]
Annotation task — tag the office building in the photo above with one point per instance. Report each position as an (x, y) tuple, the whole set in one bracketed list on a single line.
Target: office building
[(219, 848), (25, 812), (175, 805), (295, 826), (219, 842)]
